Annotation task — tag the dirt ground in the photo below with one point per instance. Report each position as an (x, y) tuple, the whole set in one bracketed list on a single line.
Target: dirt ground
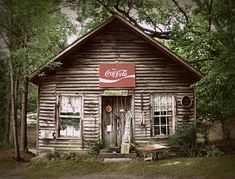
[(120, 176), (9, 155), (32, 138)]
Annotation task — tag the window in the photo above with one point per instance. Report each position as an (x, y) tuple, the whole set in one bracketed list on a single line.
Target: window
[(70, 116), (186, 101), (163, 123)]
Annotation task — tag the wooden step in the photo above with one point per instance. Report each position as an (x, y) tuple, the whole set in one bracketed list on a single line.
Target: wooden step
[(118, 155), (117, 159)]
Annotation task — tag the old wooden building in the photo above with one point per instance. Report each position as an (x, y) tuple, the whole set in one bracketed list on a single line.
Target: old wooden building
[(114, 70)]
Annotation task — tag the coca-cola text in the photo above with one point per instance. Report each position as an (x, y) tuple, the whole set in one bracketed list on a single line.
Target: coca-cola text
[(116, 73)]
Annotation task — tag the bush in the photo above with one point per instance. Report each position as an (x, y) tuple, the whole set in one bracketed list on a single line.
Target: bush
[(185, 137), (192, 141), (63, 156), (95, 148), (212, 151)]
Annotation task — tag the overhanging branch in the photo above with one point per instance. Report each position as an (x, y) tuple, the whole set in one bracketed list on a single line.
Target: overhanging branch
[(153, 33), (181, 10)]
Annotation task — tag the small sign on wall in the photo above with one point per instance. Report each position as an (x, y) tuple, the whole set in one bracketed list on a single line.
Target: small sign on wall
[(113, 92), (109, 128), (116, 75)]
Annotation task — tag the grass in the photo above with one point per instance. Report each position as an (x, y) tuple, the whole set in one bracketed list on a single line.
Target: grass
[(221, 167), (187, 167), (5, 145), (61, 168), (7, 164)]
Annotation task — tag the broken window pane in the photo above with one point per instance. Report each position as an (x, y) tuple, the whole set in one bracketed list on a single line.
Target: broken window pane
[(70, 116)]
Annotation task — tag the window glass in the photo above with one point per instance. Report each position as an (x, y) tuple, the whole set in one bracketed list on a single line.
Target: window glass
[(70, 116), (163, 115)]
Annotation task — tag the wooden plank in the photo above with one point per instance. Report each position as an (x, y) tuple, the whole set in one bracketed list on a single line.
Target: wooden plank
[(155, 73)]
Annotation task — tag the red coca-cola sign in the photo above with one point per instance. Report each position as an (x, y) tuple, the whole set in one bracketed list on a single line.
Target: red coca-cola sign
[(117, 75)]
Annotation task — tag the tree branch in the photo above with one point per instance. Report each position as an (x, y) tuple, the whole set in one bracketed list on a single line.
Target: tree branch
[(4, 39), (161, 35), (210, 19), (59, 8), (181, 10), (148, 18)]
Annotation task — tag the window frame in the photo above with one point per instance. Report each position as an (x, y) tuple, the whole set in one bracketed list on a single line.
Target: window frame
[(173, 101), (58, 116)]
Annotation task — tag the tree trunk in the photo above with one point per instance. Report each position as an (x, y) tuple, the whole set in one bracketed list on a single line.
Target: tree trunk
[(11, 138), (8, 115), (13, 111), (23, 138), (8, 121)]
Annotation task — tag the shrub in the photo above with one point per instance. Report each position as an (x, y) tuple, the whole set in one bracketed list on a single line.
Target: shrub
[(212, 151), (192, 141), (63, 156), (95, 148)]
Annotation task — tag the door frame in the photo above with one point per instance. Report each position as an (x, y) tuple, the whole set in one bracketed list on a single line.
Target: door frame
[(132, 111)]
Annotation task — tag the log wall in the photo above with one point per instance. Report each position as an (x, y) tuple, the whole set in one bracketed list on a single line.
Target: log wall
[(79, 74)]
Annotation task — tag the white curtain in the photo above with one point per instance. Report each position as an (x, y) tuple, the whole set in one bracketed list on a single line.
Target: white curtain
[(70, 104)]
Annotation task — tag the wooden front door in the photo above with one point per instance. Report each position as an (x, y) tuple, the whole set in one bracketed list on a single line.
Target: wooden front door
[(113, 112)]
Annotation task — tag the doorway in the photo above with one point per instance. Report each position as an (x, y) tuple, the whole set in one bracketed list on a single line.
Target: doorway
[(114, 109)]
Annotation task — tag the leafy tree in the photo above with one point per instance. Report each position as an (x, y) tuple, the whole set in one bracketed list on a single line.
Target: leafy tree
[(201, 31), (33, 32), (208, 43), (157, 15), (3, 98)]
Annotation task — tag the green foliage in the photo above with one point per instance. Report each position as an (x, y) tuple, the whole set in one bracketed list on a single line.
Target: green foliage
[(212, 151), (96, 146), (3, 97), (32, 126), (5, 145), (158, 14), (33, 32), (201, 33), (210, 48), (65, 156), (185, 138), (63, 168), (216, 92), (222, 167), (192, 141), (154, 14), (87, 9), (32, 98)]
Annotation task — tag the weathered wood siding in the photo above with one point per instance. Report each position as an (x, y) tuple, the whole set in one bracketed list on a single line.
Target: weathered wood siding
[(115, 43)]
